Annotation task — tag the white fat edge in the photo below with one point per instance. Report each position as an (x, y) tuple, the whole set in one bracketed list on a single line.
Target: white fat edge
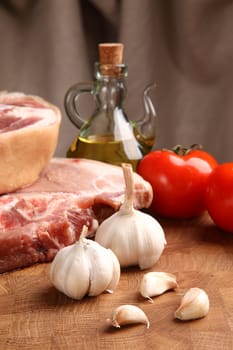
[(25, 112)]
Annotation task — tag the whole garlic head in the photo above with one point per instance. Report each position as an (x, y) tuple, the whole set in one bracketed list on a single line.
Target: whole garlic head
[(85, 268), (135, 237)]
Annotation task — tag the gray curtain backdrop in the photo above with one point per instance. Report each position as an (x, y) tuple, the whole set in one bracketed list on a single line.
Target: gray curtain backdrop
[(185, 46)]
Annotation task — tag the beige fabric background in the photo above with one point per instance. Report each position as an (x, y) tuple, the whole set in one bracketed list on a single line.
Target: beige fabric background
[(185, 46)]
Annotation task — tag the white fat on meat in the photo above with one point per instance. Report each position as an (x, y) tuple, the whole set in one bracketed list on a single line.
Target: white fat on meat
[(29, 130)]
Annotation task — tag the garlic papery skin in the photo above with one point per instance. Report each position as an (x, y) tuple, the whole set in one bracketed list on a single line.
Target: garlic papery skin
[(194, 304), (135, 237), (128, 314), (157, 283), (85, 268)]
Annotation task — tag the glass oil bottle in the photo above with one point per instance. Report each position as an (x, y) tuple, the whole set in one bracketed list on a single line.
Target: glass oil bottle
[(108, 135)]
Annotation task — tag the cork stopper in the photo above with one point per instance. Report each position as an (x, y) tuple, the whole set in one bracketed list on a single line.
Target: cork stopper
[(110, 54)]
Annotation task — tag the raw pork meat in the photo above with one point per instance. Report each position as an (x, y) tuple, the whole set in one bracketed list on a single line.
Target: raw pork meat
[(40, 219), (92, 180), (34, 226), (29, 128)]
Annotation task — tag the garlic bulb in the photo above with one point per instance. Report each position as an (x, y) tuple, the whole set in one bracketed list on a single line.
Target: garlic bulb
[(157, 283), (128, 314), (194, 304), (135, 237), (85, 268)]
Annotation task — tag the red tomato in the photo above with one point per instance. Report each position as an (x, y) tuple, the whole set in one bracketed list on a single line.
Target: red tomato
[(219, 196), (178, 181)]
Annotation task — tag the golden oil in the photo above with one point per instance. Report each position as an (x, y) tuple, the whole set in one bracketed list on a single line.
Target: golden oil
[(106, 149)]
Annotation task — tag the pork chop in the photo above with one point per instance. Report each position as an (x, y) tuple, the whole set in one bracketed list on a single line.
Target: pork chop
[(38, 220)]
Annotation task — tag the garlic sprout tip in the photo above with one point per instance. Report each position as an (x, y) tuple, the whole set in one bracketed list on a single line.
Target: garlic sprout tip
[(84, 232)]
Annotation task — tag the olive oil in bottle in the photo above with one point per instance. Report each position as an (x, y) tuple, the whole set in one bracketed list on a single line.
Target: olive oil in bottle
[(105, 149)]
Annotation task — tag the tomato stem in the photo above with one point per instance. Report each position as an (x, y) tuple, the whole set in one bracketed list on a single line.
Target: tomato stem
[(182, 151)]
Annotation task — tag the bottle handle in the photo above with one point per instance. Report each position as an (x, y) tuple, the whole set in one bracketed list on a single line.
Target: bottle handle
[(71, 99)]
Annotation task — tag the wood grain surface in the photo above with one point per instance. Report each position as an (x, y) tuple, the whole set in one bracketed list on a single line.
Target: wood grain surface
[(34, 315)]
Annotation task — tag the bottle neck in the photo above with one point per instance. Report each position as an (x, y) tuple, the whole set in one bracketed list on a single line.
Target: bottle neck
[(110, 85)]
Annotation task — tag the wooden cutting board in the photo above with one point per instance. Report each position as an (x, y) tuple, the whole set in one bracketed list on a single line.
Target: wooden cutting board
[(34, 315)]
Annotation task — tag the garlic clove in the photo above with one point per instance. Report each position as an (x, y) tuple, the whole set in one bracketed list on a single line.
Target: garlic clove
[(102, 277), (116, 272), (157, 283), (128, 314), (61, 268), (151, 239), (100, 272), (194, 304)]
